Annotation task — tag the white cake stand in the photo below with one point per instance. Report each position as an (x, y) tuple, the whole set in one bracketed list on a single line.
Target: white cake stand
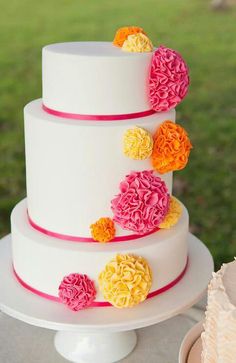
[(102, 335)]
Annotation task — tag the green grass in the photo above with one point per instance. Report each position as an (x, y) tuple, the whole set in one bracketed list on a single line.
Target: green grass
[(207, 41)]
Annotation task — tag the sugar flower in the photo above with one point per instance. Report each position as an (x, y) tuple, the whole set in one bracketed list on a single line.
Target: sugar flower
[(125, 281), (137, 143), (171, 148), (103, 230), (123, 33), (77, 291), (137, 43), (169, 79), (142, 203), (173, 215)]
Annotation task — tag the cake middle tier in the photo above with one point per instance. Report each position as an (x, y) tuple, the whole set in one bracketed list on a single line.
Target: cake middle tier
[(74, 168)]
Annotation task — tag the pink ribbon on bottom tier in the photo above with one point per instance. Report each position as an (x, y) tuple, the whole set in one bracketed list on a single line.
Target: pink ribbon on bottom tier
[(100, 303)]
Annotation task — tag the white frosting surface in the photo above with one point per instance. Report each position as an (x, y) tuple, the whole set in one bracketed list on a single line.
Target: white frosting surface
[(74, 168), (229, 281), (95, 78), (42, 261), (219, 337)]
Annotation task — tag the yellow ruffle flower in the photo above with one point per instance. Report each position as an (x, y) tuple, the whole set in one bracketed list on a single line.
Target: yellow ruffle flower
[(137, 143), (137, 43), (103, 230), (125, 281), (173, 214)]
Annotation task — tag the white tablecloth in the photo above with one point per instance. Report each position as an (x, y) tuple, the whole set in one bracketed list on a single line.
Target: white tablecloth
[(160, 343)]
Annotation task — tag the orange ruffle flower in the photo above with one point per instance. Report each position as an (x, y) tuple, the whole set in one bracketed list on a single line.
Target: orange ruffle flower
[(171, 148), (103, 230), (123, 33)]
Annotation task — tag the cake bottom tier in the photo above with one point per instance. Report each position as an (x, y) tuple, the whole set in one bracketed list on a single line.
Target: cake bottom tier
[(41, 261)]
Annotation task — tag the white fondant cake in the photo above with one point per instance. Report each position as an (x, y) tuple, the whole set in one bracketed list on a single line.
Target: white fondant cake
[(84, 189), (95, 78), (42, 261), (219, 336), (74, 168)]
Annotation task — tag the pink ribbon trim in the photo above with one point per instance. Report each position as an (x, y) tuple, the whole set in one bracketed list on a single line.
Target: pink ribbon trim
[(33, 290), (76, 116), (100, 303), (86, 239)]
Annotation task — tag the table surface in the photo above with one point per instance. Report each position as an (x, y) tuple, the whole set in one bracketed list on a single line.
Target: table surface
[(160, 343)]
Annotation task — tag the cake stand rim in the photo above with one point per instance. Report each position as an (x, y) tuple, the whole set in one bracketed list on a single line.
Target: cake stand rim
[(31, 309)]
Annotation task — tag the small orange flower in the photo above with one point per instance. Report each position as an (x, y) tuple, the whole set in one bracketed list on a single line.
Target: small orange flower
[(123, 33), (171, 148), (103, 230)]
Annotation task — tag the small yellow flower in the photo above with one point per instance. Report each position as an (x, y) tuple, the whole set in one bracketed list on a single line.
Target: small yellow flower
[(137, 43), (125, 281), (137, 143), (173, 215), (103, 230)]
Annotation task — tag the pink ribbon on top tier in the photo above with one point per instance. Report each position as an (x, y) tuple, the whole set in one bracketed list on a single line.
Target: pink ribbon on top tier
[(85, 239), (77, 116)]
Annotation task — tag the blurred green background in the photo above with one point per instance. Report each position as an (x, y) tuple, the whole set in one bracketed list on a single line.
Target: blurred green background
[(207, 40)]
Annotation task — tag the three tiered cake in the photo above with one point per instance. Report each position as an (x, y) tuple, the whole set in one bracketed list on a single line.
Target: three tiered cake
[(99, 226)]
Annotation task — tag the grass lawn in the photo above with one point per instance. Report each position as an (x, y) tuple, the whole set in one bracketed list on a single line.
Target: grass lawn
[(207, 41)]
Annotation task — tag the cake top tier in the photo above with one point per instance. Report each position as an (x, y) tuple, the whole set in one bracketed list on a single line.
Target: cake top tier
[(95, 78), (92, 49), (128, 76)]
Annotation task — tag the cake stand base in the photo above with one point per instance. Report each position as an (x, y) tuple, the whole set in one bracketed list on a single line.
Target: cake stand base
[(95, 347), (102, 335)]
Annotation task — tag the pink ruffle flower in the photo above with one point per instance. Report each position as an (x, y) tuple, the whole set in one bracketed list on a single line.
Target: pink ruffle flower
[(169, 79), (142, 203), (77, 291)]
